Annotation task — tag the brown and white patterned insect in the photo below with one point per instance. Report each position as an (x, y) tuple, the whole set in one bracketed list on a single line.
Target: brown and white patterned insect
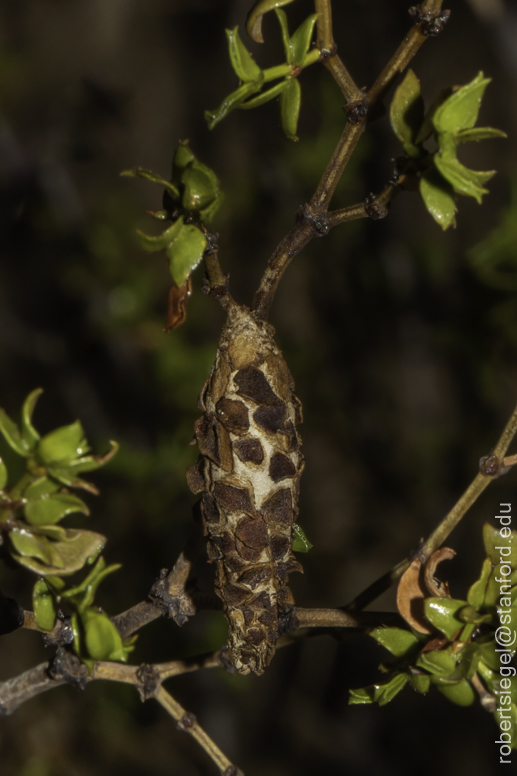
[(249, 471)]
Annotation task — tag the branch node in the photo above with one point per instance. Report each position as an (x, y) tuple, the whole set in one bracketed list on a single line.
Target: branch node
[(149, 678), (317, 223), (187, 721), (375, 209), (67, 666), (492, 466), (431, 23), (288, 621), (357, 111), (168, 592), (328, 53), (62, 632), (232, 770)]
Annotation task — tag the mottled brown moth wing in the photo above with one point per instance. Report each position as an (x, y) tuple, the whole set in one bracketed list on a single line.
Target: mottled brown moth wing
[(248, 471)]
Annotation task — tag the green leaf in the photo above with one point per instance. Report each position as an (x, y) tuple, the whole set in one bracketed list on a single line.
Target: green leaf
[(443, 613), (61, 557), (28, 432), (102, 639), (254, 18), (301, 39), (207, 213), (427, 127), (462, 693), (256, 102), (3, 475), (52, 509), (436, 662), (489, 655), (87, 463), (464, 181), (55, 532), (476, 594), (44, 605), (94, 584), (379, 693), (139, 172), (479, 133), (286, 40), (42, 486), (230, 103), (420, 682), (242, 62), (29, 545), (300, 541), (438, 196), (290, 102), (63, 445), (460, 110), (493, 541), (407, 113), (12, 435), (161, 241), (398, 641), (182, 158), (200, 186), (185, 253)]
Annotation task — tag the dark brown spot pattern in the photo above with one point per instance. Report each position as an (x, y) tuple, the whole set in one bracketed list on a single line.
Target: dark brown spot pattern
[(248, 472)]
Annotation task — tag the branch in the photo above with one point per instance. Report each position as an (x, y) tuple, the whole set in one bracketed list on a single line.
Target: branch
[(428, 22), (328, 52), (491, 466)]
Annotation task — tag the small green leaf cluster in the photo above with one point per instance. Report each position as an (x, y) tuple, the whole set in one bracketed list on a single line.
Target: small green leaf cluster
[(30, 513), (252, 78), (191, 198), (450, 121), (460, 655)]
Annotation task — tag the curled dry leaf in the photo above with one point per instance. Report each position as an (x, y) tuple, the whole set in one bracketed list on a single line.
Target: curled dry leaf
[(177, 305), (411, 593), (417, 584), (435, 587)]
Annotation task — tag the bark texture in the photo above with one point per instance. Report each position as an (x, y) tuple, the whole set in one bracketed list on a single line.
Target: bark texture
[(248, 471)]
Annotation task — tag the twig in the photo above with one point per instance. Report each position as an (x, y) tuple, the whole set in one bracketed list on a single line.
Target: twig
[(327, 46), (450, 521), (187, 722), (357, 112)]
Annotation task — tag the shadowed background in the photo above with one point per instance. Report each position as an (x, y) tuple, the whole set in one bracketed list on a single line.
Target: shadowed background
[(402, 341)]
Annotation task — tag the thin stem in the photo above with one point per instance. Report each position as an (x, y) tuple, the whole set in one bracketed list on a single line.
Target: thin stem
[(327, 47), (189, 724), (335, 168), (302, 232), (337, 618), (403, 55), (446, 526), (325, 38)]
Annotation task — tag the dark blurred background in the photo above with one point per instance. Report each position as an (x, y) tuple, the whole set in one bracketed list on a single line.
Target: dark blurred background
[(402, 341)]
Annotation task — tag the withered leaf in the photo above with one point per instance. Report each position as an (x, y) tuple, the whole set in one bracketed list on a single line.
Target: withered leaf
[(177, 305), (411, 593), (271, 418), (234, 499), (279, 508), (435, 587), (233, 415), (253, 384), (281, 467), (249, 450)]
